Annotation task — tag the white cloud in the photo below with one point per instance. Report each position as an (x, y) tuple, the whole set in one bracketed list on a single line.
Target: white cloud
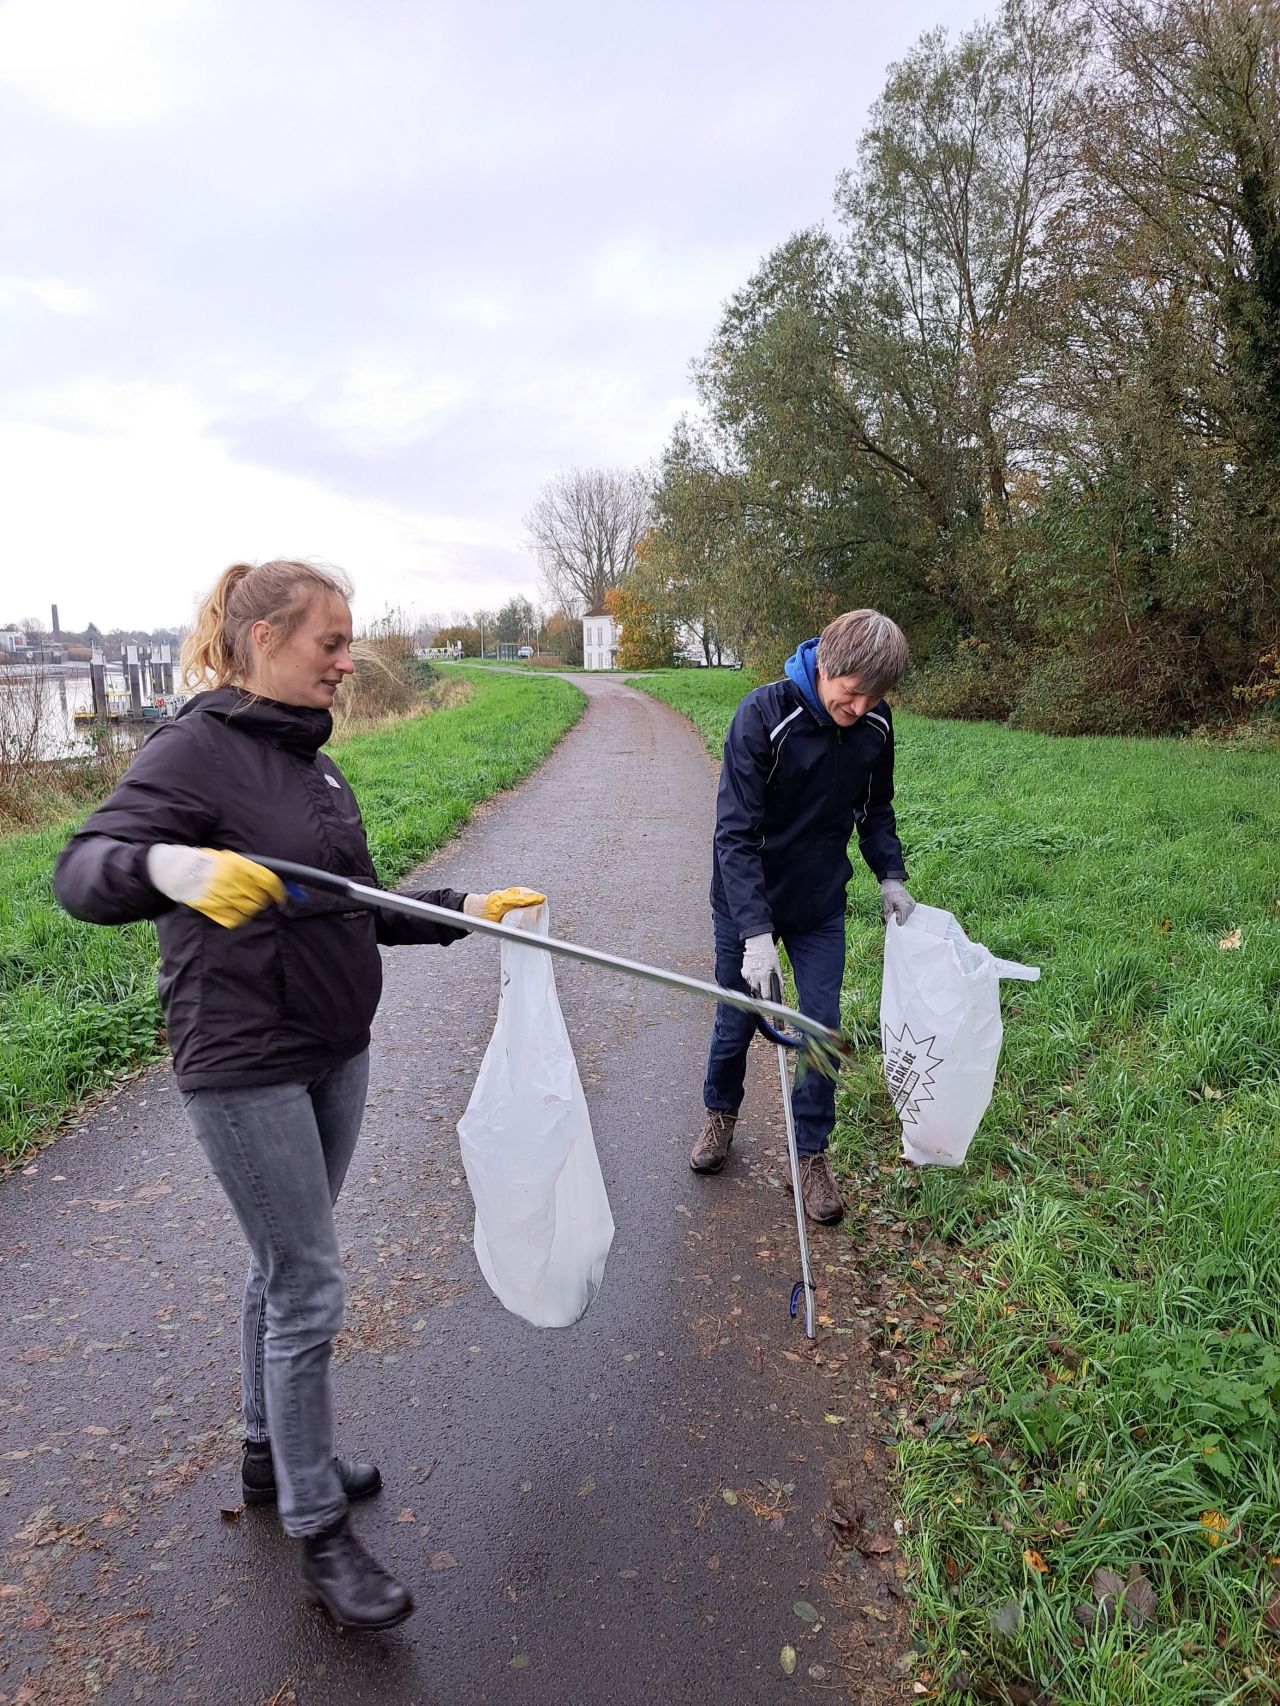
[(128, 521), (306, 276), (94, 60), (53, 295)]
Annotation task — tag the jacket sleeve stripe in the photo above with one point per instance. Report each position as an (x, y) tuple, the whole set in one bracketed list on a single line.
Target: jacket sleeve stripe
[(777, 730)]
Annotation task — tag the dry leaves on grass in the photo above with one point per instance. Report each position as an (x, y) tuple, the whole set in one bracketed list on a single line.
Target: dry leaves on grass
[(1133, 1595), (1216, 1527)]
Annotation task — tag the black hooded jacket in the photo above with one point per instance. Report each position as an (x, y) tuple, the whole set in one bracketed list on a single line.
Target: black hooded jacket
[(291, 992)]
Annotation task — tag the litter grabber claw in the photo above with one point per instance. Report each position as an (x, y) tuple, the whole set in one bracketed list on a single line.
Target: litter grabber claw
[(822, 1050), (804, 1285)]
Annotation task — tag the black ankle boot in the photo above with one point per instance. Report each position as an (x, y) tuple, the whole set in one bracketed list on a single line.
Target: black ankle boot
[(258, 1476), (354, 1589)]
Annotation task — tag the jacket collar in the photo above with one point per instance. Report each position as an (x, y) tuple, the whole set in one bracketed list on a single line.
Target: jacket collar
[(802, 672), (297, 728)]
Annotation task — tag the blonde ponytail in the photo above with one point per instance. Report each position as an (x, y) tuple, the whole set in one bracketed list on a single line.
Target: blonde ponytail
[(218, 652)]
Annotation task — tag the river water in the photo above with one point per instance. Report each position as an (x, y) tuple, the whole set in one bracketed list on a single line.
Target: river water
[(63, 692)]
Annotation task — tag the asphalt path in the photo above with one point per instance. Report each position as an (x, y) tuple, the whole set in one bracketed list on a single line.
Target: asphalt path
[(629, 1510)]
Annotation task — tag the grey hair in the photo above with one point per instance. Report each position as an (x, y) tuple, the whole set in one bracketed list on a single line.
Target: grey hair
[(866, 645)]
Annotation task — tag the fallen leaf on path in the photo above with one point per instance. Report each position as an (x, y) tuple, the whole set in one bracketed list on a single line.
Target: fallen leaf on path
[(787, 1659), (406, 1515), (835, 1420), (1234, 940), (1034, 1561), (873, 1545), (1271, 1617), (443, 1561), (228, 1513), (729, 1496), (519, 1662), (804, 1611)]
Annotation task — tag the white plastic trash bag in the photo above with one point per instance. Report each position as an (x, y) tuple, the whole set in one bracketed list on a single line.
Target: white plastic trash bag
[(543, 1226), (940, 1031)]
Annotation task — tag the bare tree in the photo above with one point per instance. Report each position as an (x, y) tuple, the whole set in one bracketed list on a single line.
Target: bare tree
[(584, 530)]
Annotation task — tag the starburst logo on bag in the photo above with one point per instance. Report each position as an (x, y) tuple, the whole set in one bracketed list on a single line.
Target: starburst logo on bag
[(909, 1067)]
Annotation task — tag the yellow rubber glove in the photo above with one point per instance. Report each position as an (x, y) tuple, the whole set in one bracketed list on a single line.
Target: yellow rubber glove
[(224, 886), (497, 905)]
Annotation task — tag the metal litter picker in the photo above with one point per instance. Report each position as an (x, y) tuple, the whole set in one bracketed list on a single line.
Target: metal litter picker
[(805, 1282), (820, 1049)]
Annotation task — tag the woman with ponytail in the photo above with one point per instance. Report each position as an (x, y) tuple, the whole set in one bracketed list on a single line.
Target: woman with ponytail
[(268, 1001)]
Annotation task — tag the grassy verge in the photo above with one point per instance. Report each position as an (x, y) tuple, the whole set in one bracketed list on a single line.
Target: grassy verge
[(78, 1003), (1091, 1304)]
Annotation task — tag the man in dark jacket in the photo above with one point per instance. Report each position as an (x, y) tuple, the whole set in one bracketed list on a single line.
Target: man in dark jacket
[(807, 761)]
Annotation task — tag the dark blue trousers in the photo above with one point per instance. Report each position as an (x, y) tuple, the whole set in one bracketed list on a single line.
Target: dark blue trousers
[(817, 960)]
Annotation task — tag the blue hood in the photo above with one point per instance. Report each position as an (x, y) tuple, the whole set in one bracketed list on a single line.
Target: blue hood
[(802, 669)]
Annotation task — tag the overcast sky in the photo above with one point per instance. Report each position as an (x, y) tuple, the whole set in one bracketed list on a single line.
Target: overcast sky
[(352, 279)]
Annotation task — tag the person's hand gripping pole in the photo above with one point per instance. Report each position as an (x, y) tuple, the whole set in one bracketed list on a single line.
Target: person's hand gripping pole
[(224, 886)]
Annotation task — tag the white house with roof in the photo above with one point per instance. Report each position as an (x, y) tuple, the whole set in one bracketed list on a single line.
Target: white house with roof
[(600, 639)]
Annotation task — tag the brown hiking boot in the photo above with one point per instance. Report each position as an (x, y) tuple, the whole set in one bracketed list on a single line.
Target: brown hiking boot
[(711, 1151), (822, 1199)]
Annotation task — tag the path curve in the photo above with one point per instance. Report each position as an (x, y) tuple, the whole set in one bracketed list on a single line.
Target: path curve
[(556, 1500)]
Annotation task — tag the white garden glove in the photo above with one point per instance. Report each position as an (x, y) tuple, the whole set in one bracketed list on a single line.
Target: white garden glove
[(895, 902), (760, 964), (224, 886)]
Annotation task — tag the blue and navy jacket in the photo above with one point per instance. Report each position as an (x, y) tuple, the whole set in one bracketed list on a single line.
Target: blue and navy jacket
[(794, 787)]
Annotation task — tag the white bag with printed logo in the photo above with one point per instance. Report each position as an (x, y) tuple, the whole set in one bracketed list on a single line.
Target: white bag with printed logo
[(940, 1031), (543, 1226)]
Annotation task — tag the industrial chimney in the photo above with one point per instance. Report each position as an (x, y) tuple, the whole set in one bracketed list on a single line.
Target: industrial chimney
[(57, 632)]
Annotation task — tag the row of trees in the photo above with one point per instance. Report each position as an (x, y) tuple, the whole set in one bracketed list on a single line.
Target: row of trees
[(1026, 395)]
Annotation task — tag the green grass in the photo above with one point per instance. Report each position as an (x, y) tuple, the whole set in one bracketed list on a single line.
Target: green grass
[(1105, 1271), (78, 1003)]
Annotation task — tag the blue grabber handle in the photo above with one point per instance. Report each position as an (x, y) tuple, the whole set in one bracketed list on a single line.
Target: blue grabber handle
[(298, 879), (783, 1039)]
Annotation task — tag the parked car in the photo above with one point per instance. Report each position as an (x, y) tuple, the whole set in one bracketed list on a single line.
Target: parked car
[(525, 652)]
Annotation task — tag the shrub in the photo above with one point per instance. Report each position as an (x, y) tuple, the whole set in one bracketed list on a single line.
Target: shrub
[(979, 682)]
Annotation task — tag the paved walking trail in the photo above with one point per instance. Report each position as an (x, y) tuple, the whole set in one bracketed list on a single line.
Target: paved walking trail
[(555, 1499)]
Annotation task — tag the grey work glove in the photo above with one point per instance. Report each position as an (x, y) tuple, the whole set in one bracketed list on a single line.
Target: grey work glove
[(895, 902), (760, 964)]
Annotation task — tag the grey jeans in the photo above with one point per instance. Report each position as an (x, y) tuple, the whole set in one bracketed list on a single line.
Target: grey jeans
[(281, 1152)]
